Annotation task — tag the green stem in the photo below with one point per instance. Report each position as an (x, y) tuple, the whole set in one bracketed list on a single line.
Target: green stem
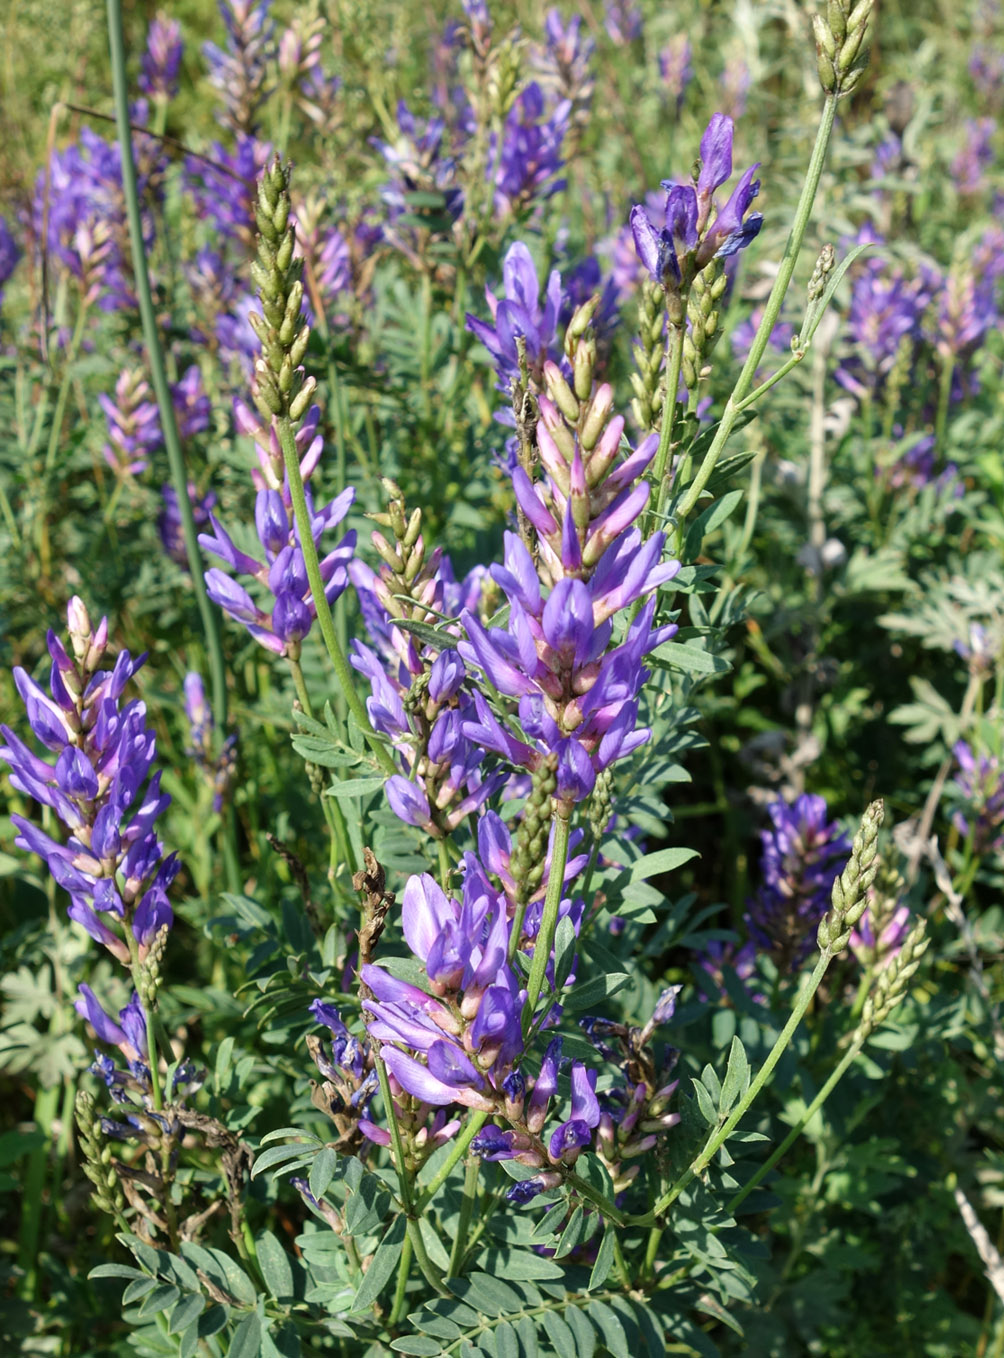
[(674, 359), (46, 1102), (457, 1151), (430, 1272), (467, 1202), (549, 919), (330, 806), (621, 1263), (151, 338), (336, 654), (400, 1291), (397, 1141), (771, 310), (56, 428), (445, 866), (598, 1199), (55, 431), (944, 401), (836, 1076), (719, 1137), (651, 1250), (764, 387)]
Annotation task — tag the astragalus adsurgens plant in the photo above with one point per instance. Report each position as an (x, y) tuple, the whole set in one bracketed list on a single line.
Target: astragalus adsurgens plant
[(511, 1144)]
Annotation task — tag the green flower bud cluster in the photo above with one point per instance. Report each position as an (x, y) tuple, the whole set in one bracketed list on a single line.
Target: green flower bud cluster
[(601, 804), (279, 387), (149, 978), (849, 897), (703, 312), (97, 1156), (840, 55), (647, 403), (884, 901), (817, 286), (580, 348), (530, 849), (407, 570), (892, 983)]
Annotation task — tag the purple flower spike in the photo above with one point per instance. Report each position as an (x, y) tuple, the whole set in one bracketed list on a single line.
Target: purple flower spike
[(112, 864)]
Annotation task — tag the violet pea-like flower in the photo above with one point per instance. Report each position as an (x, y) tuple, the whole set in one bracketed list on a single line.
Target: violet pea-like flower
[(686, 243)]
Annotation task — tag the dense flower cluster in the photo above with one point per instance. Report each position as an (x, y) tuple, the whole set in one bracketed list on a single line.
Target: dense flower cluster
[(10, 253), (520, 313), (802, 856), (980, 787), (113, 865), (238, 69), (134, 431), (161, 61)]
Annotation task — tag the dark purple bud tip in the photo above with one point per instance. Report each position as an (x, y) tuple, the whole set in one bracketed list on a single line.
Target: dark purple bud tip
[(493, 1144), (525, 1191)]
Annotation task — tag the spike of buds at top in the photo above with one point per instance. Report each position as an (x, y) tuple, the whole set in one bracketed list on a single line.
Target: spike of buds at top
[(839, 43), (850, 890)]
